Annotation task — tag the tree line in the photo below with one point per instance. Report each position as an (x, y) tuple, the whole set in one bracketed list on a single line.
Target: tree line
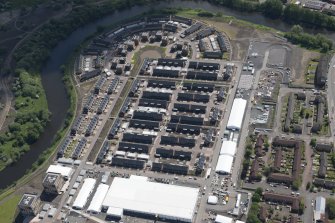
[(290, 13), (32, 115)]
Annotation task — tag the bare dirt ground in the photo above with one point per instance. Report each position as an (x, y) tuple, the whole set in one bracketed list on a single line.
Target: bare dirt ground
[(150, 54), (299, 66), (239, 35)]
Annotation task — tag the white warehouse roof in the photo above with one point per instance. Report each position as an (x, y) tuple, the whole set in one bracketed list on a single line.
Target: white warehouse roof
[(62, 170), (320, 207), (84, 193), (212, 199), (98, 198), (223, 219), (236, 114), (141, 196), (115, 212), (228, 148), (224, 165), (238, 221)]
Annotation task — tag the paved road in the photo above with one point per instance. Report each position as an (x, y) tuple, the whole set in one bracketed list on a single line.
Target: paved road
[(217, 146), (331, 95), (241, 146), (102, 122)]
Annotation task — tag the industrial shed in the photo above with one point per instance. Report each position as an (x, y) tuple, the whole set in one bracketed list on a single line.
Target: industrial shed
[(320, 208), (84, 193), (113, 212), (223, 219), (98, 198), (237, 114), (224, 165), (228, 148), (138, 196), (66, 172)]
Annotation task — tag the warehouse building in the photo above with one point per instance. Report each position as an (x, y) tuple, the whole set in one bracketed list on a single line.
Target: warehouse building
[(320, 209), (236, 114), (137, 196), (98, 198), (65, 172), (223, 219), (228, 148), (225, 164), (84, 193)]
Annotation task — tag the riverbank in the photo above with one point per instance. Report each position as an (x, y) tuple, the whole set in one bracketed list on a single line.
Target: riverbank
[(296, 35), (30, 118), (61, 54), (42, 42)]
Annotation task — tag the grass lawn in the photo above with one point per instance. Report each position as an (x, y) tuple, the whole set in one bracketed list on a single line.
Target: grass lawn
[(137, 57), (8, 208), (31, 116)]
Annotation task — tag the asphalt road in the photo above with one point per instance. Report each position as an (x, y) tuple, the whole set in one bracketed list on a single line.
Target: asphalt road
[(103, 120), (331, 94)]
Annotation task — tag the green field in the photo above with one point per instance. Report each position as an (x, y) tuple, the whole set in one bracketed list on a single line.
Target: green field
[(30, 117), (8, 208)]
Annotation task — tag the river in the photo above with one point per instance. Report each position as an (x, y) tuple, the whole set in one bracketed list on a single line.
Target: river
[(52, 77)]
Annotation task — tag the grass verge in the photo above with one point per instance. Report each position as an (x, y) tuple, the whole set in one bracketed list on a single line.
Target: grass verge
[(8, 209)]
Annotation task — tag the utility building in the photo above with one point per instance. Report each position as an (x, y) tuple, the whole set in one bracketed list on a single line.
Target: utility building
[(236, 114), (84, 193), (140, 197)]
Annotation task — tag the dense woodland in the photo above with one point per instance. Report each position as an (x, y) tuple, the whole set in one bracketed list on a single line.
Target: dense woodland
[(31, 55), (290, 13), (31, 107)]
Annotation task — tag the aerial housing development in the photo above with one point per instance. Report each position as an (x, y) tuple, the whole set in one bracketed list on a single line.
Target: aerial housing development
[(173, 124)]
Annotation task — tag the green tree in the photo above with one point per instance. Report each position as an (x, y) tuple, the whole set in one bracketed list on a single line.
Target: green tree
[(272, 8), (330, 207), (259, 191), (256, 198), (296, 184), (313, 142), (301, 206)]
